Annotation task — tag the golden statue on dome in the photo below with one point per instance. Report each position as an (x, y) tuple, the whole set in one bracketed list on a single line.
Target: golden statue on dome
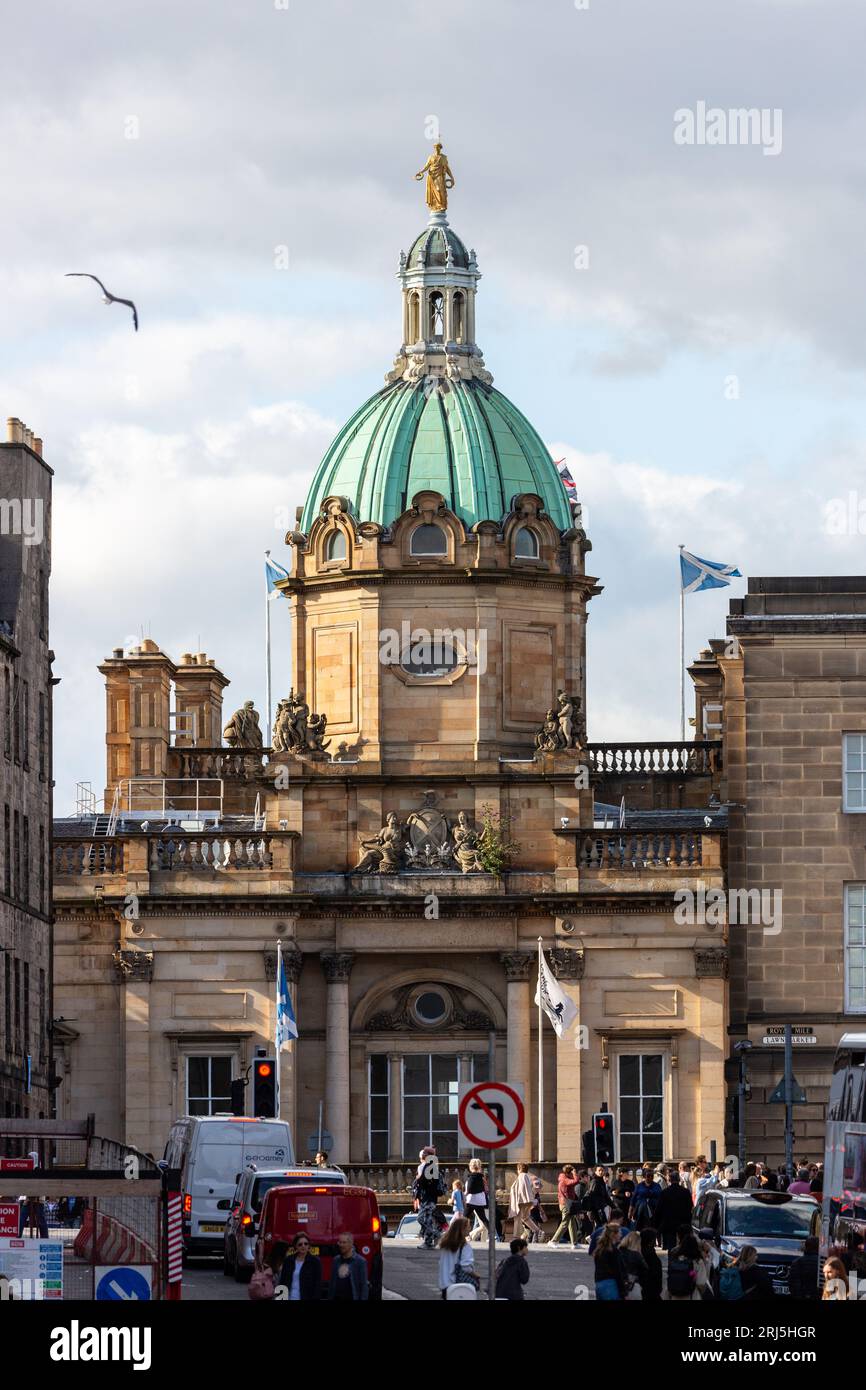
[(439, 180)]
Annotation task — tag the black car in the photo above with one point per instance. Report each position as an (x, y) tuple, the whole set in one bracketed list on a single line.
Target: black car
[(775, 1223)]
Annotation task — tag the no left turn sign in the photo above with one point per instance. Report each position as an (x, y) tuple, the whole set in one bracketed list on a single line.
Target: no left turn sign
[(491, 1114)]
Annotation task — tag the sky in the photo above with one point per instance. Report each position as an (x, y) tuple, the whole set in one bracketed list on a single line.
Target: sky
[(682, 321)]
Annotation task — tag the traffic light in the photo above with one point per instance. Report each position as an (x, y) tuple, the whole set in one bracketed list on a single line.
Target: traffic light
[(265, 1087), (604, 1137)]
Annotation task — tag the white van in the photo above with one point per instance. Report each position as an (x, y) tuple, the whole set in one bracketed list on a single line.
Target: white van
[(211, 1152)]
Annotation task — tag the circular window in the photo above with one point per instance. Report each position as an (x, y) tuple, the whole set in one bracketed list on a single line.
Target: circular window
[(430, 658), (431, 1006), (428, 539)]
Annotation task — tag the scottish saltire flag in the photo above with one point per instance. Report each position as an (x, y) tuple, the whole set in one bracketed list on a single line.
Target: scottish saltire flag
[(273, 572), (567, 481), (697, 574), (287, 1028), (561, 1010)]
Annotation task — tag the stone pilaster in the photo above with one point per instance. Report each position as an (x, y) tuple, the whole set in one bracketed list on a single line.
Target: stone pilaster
[(337, 966), (395, 1107), (518, 967)]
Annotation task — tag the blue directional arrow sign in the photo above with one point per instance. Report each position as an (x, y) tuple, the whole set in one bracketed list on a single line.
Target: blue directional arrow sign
[(123, 1284)]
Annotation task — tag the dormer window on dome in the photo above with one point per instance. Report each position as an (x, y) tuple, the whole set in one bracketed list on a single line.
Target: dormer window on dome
[(526, 544), (335, 546), (430, 540)]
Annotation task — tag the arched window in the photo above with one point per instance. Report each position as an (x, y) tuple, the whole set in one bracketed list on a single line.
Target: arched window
[(459, 316), (414, 319), (428, 540), (436, 326), (335, 548), (526, 544)]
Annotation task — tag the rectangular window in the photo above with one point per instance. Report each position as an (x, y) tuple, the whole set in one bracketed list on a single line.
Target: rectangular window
[(379, 1107), (7, 970), (16, 855), (7, 853), (430, 1098), (641, 1107), (16, 968), (7, 727), (42, 868), (854, 772), (16, 718), (26, 994), (855, 948), (25, 723), (43, 1020), (41, 736), (208, 1085), (25, 867)]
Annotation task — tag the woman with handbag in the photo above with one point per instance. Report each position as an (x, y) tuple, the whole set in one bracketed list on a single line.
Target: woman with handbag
[(456, 1258)]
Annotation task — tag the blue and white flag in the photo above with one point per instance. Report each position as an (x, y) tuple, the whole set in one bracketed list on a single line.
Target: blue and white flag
[(287, 1028), (697, 574), (274, 572)]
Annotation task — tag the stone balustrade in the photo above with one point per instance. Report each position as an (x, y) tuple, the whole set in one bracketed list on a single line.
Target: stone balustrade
[(682, 759), (219, 763), (645, 849), (205, 853), (75, 858)]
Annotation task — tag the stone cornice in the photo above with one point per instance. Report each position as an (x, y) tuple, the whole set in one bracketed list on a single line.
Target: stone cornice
[(362, 579)]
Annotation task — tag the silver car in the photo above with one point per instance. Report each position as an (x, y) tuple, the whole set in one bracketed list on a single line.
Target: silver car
[(241, 1228)]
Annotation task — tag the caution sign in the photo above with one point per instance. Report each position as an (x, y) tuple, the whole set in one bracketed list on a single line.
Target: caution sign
[(491, 1114)]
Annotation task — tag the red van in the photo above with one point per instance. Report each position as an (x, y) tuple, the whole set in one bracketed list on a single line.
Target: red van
[(323, 1214)]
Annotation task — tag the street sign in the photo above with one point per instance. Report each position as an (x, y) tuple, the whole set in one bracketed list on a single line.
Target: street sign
[(490, 1114), (16, 1165), (798, 1039), (798, 1095), (36, 1264), (10, 1218), (123, 1283), (314, 1144)]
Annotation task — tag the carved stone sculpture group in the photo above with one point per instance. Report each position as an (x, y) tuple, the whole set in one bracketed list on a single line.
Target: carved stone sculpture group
[(562, 726), (424, 841), (297, 730)]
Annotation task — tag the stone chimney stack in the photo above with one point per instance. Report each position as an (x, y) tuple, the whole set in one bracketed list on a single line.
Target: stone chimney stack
[(198, 690), (138, 700), (18, 433)]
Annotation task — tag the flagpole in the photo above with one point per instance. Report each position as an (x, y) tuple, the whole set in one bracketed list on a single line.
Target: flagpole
[(682, 653), (267, 655), (540, 1065), (277, 1044)]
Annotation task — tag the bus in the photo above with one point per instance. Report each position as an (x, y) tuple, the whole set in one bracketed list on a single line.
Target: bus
[(843, 1227)]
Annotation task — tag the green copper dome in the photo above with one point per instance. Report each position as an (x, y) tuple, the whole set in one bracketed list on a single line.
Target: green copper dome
[(460, 437)]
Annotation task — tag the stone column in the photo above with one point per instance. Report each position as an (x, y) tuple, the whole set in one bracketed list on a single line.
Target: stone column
[(337, 966), (395, 1107), (287, 1061), (568, 966), (518, 965)]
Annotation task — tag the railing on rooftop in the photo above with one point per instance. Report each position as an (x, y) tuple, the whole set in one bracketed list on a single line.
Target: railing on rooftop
[(645, 849), (74, 858), (204, 853), (688, 758)]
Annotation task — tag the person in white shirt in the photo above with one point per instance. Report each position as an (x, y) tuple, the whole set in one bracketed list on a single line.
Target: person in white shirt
[(456, 1257)]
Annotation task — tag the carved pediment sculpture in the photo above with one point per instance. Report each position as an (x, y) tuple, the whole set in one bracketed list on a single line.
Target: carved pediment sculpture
[(383, 853), (425, 842)]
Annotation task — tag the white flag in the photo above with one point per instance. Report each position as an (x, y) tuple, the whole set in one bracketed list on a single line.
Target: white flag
[(561, 1010)]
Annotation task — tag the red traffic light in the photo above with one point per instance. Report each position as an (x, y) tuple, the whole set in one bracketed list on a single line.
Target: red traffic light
[(264, 1068), (602, 1124)]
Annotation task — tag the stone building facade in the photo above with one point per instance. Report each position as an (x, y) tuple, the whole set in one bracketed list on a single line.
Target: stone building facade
[(25, 777), (789, 686), (439, 596)]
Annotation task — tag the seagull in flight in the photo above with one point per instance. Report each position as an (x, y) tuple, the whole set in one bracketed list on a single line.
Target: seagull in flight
[(108, 298)]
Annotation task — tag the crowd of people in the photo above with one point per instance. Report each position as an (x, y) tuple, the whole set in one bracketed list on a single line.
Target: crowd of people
[(624, 1216)]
